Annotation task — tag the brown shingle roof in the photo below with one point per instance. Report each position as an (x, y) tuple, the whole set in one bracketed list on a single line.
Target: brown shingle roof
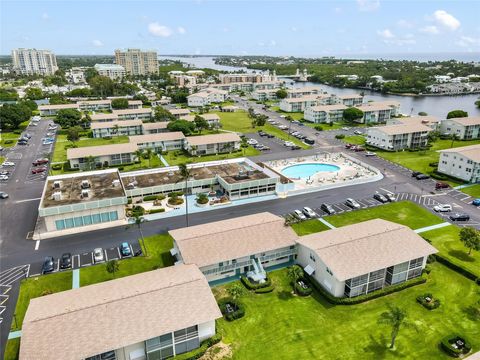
[(83, 322), (403, 128), (212, 139), (357, 249), (150, 138), (111, 124), (472, 152), (232, 239), (102, 150), (132, 111), (466, 121)]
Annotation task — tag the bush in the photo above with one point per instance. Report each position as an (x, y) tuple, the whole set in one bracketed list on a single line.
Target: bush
[(300, 290), (427, 270), (8, 142), (129, 201), (447, 347), (237, 314), (433, 164), (175, 200), (199, 352), (340, 136), (155, 211), (252, 286), (318, 128), (264, 290), (150, 198), (362, 298), (430, 305), (17, 132), (57, 167), (461, 270), (175, 193), (138, 211)]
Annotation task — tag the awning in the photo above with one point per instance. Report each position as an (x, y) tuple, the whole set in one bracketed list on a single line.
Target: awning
[(173, 251), (309, 269)]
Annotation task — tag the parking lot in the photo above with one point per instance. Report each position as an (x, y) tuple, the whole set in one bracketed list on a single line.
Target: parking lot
[(86, 258)]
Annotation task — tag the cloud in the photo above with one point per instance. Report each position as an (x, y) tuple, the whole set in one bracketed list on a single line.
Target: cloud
[(466, 41), (159, 30), (97, 43), (430, 29), (446, 20), (45, 16), (181, 30), (386, 34), (404, 24), (368, 5)]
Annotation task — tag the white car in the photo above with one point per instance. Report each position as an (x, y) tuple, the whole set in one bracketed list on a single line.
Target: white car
[(252, 142), (345, 128), (289, 143), (3, 177), (442, 208), (352, 203), (98, 255), (8, 163), (370, 153), (283, 116), (283, 127), (299, 215), (309, 212), (357, 132)]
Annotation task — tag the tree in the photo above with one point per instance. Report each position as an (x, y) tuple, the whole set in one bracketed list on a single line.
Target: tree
[(34, 93), (244, 144), (184, 172), (261, 120), (101, 86), (352, 114), (454, 137), (457, 114), (112, 267), (90, 162), (186, 127), (281, 94), (12, 115), (73, 133), (162, 114), (235, 291), (89, 74), (394, 317), (68, 117), (148, 154), (200, 123), (422, 113), (294, 273), (470, 238), (8, 95), (32, 105), (56, 99), (120, 103), (139, 154)]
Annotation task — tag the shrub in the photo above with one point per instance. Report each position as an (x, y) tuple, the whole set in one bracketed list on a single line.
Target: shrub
[(129, 201), (300, 290), (433, 164), (200, 351), (8, 142), (252, 286), (150, 198), (202, 198), (461, 270), (447, 341), (264, 290), (427, 270), (318, 128), (340, 136), (237, 314), (430, 305), (138, 211), (175, 200), (57, 167), (17, 132), (154, 211)]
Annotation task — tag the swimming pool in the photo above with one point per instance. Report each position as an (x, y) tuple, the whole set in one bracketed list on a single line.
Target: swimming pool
[(308, 169)]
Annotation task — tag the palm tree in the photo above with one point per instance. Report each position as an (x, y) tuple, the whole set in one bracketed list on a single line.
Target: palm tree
[(454, 137), (148, 153), (115, 129), (90, 161), (184, 172), (139, 220), (193, 149), (294, 273), (395, 317), (244, 144), (139, 154)]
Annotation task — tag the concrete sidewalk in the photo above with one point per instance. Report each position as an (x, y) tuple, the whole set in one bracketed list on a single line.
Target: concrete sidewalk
[(432, 227)]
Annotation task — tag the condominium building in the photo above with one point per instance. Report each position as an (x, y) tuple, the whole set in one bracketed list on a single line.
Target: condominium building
[(33, 61), (378, 111), (102, 117), (324, 113), (431, 121), (172, 311), (212, 144), (95, 105), (104, 155), (351, 99), (51, 110), (304, 91), (178, 113), (212, 119), (144, 114), (113, 71), (265, 94), (299, 104), (154, 128), (183, 80), (116, 128), (398, 137), (461, 163), (467, 128), (357, 259), (207, 97), (247, 78), (225, 250), (159, 142), (137, 62)]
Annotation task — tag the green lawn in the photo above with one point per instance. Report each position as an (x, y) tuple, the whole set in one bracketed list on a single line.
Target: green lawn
[(8, 139), (309, 227), (448, 243), (158, 250), (473, 191), (355, 139), (173, 159), (403, 212), (420, 160), (12, 349), (280, 326), (60, 152)]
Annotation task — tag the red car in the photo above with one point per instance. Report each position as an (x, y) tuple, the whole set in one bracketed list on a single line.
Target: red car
[(40, 162), (349, 146), (441, 185), (357, 148), (39, 170)]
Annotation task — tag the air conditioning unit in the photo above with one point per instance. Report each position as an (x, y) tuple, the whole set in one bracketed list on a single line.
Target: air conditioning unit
[(84, 193), (116, 183), (85, 184), (57, 195), (57, 184)]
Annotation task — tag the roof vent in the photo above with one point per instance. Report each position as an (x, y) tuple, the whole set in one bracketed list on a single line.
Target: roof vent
[(57, 184), (84, 193), (57, 195), (116, 183), (85, 184)]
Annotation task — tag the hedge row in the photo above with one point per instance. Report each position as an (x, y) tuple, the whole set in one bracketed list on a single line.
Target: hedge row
[(153, 197), (447, 347), (252, 286), (155, 211), (461, 270), (239, 313), (264, 290), (199, 352), (362, 298)]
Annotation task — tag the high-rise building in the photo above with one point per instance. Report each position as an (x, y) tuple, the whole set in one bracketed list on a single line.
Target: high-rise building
[(137, 62), (113, 71), (33, 61)]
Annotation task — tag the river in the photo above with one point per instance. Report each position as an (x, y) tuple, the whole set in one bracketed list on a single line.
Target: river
[(433, 105)]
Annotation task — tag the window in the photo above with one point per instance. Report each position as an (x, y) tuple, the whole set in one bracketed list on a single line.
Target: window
[(399, 278), (69, 223), (105, 217), (60, 224), (416, 263), (96, 218), (113, 216), (78, 221), (400, 267), (87, 220)]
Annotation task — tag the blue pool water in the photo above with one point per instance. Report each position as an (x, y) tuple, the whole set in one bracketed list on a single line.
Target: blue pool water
[(308, 169)]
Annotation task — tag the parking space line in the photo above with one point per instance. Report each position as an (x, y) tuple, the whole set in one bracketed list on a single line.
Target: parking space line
[(37, 244)]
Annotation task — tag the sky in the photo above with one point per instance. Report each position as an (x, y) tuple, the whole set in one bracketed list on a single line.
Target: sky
[(280, 28)]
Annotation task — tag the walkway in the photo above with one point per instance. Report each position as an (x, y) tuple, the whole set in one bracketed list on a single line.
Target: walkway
[(463, 186), (325, 222), (14, 334), (432, 227), (162, 159), (75, 278)]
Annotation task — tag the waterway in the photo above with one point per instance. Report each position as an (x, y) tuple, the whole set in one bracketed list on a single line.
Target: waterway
[(410, 105)]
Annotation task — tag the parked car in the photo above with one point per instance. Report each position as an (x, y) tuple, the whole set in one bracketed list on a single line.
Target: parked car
[(380, 198), (295, 147), (262, 133), (98, 255), (3, 177), (345, 128), (252, 142), (39, 170), (8, 163), (358, 132), (349, 146), (476, 202), (352, 203), (40, 162), (125, 249), (309, 212), (459, 217), (66, 261), (47, 142), (309, 141), (357, 148), (422, 177), (288, 143), (391, 197), (264, 148), (441, 185), (299, 215), (22, 142), (442, 208), (4, 172), (370, 153), (27, 136), (327, 208), (48, 265), (269, 135), (3, 195), (415, 173)]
